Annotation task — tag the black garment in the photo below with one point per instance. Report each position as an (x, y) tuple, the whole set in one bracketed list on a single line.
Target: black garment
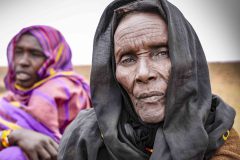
[(195, 120)]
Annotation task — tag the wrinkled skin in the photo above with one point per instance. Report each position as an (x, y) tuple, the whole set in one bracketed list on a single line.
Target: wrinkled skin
[(35, 145), (142, 63), (28, 58)]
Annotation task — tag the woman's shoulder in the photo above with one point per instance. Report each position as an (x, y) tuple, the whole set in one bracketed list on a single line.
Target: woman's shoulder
[(85, 120), (82, 137), (58, 85), (83, 125), (59, 81), (230, 149)]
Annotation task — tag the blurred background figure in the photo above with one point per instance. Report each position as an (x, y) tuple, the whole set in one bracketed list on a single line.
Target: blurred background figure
[(43, 96)]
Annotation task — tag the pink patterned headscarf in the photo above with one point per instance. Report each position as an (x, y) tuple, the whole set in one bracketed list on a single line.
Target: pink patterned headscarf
[(54, 46)]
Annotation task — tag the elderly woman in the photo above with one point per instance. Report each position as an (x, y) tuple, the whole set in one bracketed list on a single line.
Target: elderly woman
[(44, 96), (150, 92)]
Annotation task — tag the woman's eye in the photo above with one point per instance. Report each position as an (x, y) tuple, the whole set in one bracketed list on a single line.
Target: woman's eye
[(36, 54), (127, 59), (18, 51), (160, 53), (163, 53)]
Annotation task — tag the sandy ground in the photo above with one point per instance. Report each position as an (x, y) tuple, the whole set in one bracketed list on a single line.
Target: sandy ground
[(224, 77)]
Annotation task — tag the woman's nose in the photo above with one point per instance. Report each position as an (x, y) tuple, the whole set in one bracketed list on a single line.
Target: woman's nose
[(145, 72), (24, 59)]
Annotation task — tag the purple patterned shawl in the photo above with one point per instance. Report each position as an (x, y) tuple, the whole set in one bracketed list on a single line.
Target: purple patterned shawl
[(57, 67), (54, 47)]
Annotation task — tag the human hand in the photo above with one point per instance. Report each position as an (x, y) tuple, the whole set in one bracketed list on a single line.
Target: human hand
[(36, 146)]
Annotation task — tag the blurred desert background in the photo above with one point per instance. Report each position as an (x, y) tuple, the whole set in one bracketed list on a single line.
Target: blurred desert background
[(225, 81)]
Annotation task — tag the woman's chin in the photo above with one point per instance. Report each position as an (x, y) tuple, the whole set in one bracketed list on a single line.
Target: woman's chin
[(152, 117)]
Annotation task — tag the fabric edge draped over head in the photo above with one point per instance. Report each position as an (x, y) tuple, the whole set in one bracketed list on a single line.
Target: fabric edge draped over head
[(55, 48), (195, 120)]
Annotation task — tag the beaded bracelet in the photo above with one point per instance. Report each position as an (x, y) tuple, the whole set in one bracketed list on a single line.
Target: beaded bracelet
[(4, 138)]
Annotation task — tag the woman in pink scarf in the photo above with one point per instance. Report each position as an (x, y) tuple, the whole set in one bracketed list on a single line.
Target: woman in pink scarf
[(44, 95)]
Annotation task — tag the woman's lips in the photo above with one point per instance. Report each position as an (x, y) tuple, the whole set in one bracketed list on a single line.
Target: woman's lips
[(22, 76), (151, 97)]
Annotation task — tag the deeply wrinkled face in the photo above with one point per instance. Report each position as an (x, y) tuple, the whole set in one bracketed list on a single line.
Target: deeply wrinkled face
[(142, 63), (28, 58)]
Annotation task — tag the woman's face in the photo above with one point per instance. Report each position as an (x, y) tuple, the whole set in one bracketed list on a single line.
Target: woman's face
[(142, 63), (28, 58)]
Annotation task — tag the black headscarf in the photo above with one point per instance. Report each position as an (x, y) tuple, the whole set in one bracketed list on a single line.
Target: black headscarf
[(195, 120)]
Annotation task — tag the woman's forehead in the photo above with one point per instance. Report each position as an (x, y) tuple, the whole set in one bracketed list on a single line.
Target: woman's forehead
[(138, 29), (28, 40)]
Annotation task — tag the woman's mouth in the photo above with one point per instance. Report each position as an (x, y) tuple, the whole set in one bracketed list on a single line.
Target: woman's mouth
[(22, 76), (151, 97)]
